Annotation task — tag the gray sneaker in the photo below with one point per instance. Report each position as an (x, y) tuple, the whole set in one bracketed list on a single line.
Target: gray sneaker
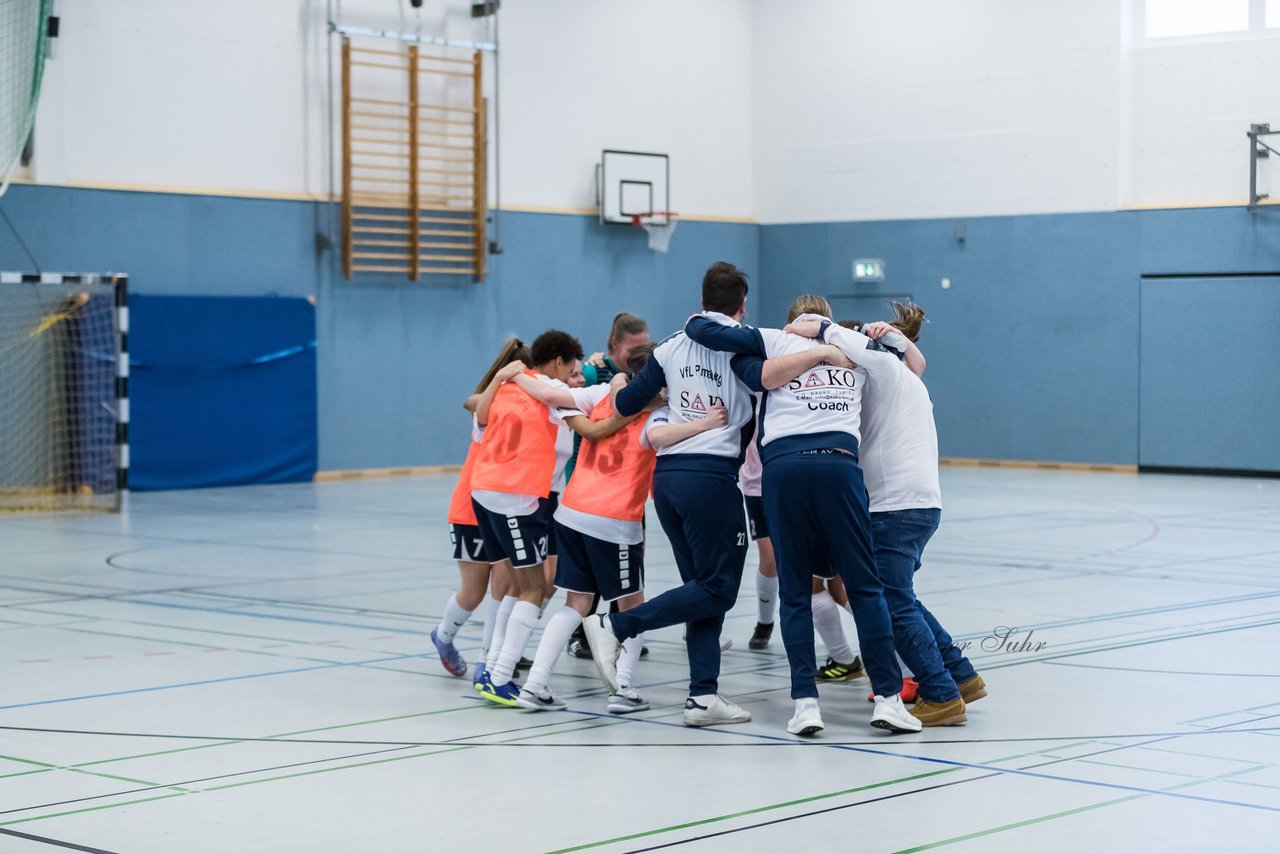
[(720, 711), (625, 701), (546, 701)]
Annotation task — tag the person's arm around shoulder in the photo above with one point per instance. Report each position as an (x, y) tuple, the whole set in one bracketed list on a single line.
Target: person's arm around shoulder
[(663, 434), (777, 371), (485, 399), (630, 397), (891, 336), (725, 339)]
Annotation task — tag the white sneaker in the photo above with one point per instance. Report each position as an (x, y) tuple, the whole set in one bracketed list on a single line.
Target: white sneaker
[(807, 719), (605, 647), (625, 701), (892, 715), (546, 701), (720, 711)]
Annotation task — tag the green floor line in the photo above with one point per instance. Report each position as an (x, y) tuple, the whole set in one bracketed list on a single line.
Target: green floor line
[(782, 805), (1063, 814), (46, 767), (591, 726), (93, 809), (1017, 824), (277, 735)]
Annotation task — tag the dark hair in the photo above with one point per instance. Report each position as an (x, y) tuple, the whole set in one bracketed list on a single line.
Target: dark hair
[(512, 351), (554, 344), (639, 357), (625, 323), (855, 325), (724, 288), (909, 320)]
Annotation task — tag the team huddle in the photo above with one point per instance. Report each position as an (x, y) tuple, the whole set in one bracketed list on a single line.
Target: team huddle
[(830, 431)]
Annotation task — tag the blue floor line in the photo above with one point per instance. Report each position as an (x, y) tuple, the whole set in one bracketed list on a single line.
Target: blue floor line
[(210, 681)]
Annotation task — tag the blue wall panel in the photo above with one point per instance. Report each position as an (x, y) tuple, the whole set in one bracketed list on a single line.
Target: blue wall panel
[(1209, 394), (1033, 348)]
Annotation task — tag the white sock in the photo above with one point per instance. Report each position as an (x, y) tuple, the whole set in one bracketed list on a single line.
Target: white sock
[(826, 620), (543, 609), (491, 606), (524, 616), (906, 671), (500, 621), (630, 657), (766, 597), (554, 638), (454, 618), (805, 704)]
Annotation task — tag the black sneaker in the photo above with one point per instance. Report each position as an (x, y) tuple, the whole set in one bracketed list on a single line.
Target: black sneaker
[(760, 637), (835, 671), (578, 648)]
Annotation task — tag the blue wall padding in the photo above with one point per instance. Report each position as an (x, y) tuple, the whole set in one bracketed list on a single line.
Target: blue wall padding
[(222, 391)]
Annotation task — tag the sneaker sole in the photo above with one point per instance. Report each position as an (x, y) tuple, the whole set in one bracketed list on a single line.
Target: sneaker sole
[(626, 710), (892, 727), (757, 647), (534, 707), (716, 723), (807, 729), (499, 701)]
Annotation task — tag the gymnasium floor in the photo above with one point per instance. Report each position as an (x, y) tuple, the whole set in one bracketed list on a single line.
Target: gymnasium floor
[(246, 670)]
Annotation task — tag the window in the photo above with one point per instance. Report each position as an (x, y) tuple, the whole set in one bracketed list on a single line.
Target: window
[(1171, 18), (1168, 21)]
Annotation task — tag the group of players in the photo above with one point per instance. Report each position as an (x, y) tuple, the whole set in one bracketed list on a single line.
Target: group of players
[(830, 431)]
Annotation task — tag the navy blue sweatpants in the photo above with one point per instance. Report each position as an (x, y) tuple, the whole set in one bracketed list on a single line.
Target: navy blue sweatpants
[(816, 504), (701, 513)]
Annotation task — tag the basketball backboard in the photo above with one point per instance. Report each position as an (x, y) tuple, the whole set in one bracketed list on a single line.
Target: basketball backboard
[(631, 183)]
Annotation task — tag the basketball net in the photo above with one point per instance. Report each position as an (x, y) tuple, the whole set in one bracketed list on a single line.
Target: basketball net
[(659, 227)]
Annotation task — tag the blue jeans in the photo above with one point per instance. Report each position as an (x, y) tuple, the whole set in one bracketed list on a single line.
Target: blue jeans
[(900, 537)]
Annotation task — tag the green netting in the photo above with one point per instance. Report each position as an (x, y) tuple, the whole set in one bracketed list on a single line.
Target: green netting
[(23, 42)]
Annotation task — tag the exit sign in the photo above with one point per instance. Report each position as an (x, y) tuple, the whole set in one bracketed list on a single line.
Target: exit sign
[(868, 270)]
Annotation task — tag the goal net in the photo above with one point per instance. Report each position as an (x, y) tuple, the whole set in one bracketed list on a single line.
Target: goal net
[(63, 392), (24, 44)]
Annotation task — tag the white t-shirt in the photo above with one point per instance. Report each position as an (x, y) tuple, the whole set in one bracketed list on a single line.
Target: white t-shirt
[(696, 378), (514, 504), (602, 527), (899, 448)]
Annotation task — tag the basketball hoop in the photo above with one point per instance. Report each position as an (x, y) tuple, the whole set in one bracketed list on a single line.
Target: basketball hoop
[(660, 225)]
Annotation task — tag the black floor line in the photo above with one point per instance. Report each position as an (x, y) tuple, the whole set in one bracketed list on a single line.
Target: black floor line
[(31, 837)]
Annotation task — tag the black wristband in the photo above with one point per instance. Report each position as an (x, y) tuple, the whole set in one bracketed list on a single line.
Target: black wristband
[(822, 331)]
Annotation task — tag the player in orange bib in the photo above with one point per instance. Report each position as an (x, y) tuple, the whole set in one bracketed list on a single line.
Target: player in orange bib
[(476, 568), (519, 459), (599, 525)]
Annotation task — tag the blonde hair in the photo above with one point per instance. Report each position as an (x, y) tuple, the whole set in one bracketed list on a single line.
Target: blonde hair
[(808, 304)]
